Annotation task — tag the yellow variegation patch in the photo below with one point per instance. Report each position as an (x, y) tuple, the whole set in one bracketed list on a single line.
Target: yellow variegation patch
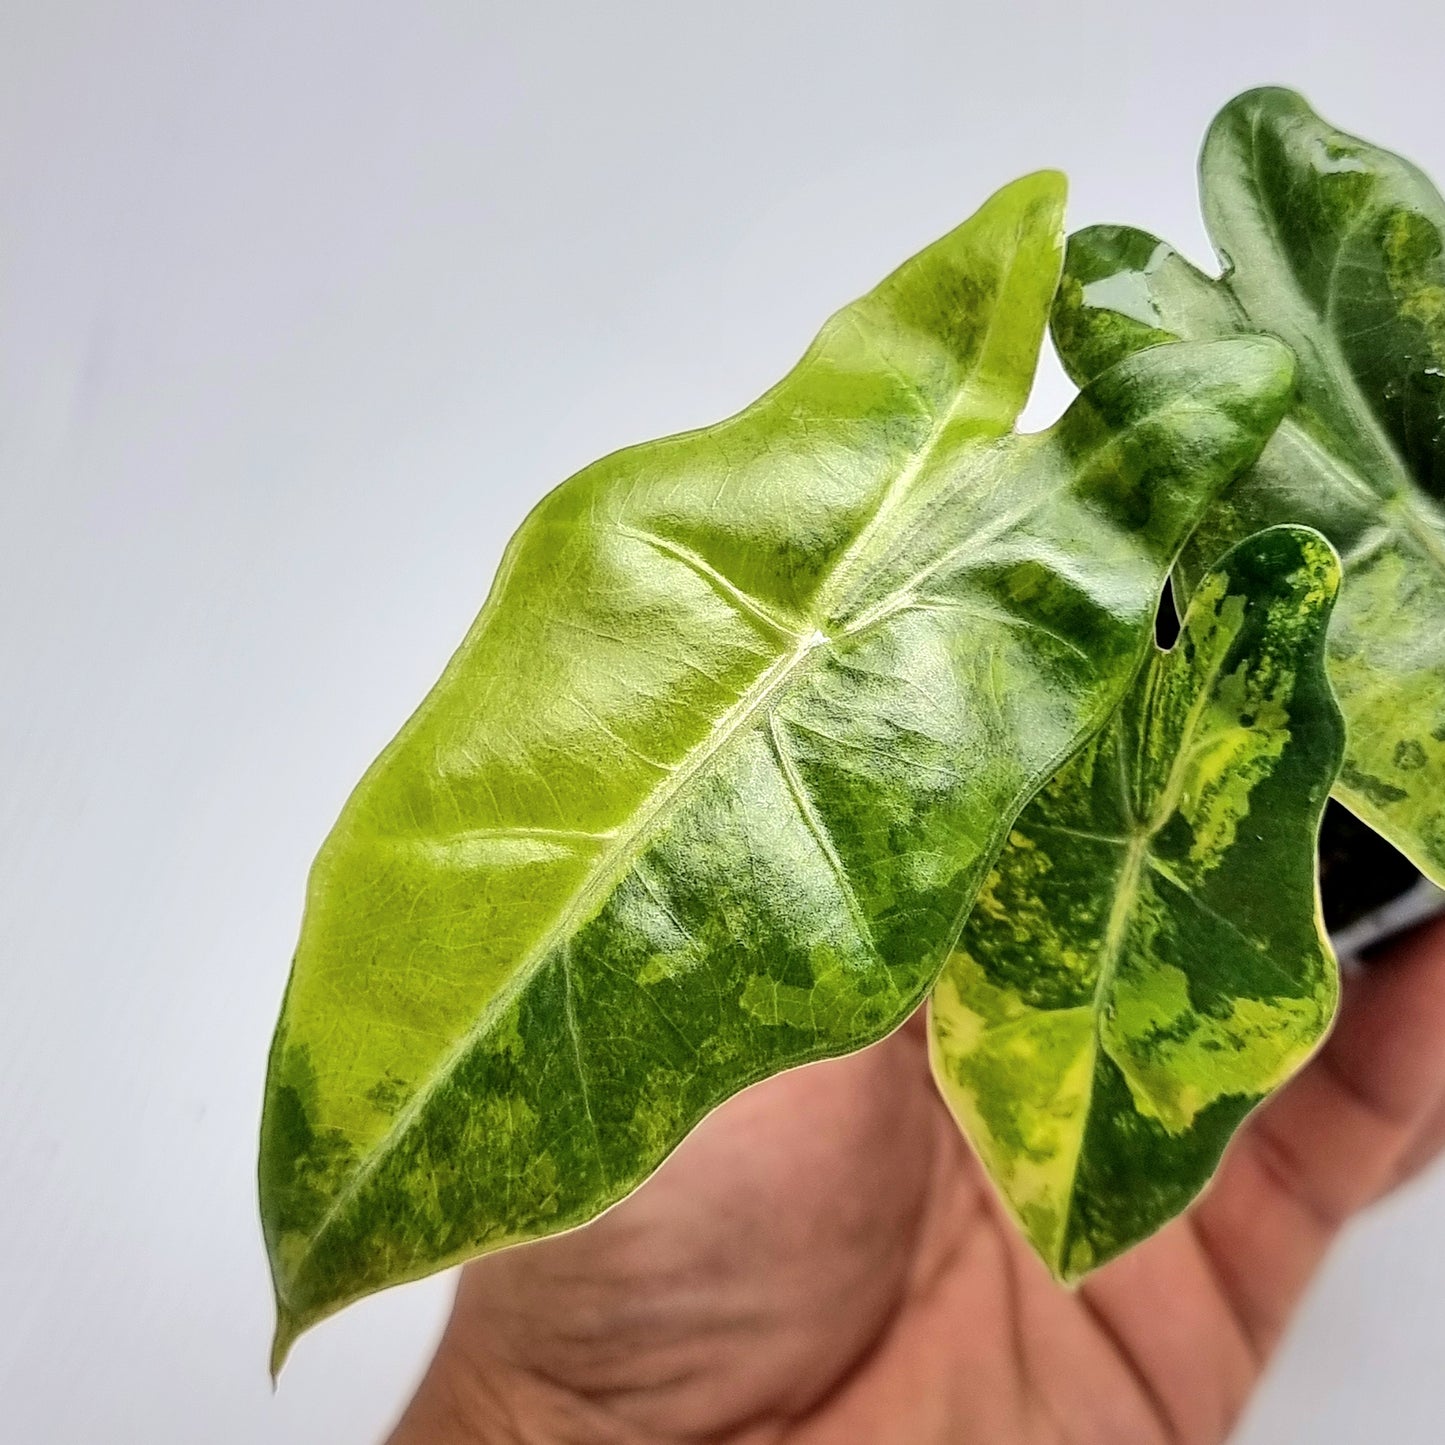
[(1146, 960)]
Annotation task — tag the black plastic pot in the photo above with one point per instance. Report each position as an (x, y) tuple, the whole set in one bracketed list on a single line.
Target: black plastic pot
[(1369, 890)]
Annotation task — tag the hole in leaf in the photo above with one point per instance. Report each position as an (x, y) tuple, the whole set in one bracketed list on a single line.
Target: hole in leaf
[(1166, 618)]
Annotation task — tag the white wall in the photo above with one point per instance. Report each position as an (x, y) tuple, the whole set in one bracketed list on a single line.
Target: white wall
[(301, 306)]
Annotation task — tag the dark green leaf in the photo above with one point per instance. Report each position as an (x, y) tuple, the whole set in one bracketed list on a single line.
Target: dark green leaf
[(1147, 959), (709, 784), (1338, 247)]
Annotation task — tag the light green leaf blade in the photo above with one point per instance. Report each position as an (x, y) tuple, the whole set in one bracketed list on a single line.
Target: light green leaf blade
[(1338, 247), (707, 787), (1147, 959)]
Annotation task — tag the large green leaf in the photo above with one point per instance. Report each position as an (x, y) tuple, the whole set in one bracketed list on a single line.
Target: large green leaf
[(1147, 958), (708, 785), (1338, 247)]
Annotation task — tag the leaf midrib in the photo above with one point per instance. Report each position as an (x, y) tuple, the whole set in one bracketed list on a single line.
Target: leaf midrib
[(1137, 855), (1405, 494), (1126, 893)]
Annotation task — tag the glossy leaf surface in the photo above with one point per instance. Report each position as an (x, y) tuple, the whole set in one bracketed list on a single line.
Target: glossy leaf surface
[(707, 787), (1147, 959), (1338, 247)]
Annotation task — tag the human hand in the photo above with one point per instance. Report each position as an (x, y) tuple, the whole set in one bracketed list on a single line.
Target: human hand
[(822, 1262)]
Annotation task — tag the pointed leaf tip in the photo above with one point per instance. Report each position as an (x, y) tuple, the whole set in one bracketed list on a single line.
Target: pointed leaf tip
[(286, 1333)]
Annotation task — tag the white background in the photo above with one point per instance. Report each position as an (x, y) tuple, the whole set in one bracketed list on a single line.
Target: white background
[(302, 305)]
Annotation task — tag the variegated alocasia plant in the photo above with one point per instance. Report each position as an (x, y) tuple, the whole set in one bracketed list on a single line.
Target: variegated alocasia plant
[(712, 781), (1338, 247), (1147, 959)]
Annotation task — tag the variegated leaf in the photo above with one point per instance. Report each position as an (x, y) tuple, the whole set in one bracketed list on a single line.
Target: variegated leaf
[(1338, 247), (708, 786), (1147, 960)]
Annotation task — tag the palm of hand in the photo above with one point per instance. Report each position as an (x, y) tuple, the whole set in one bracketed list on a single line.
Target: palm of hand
[(823, 1263)]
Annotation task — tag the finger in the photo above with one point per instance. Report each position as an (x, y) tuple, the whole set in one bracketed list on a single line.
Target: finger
[(915, 1030), (1422, 1153), (1334, 1139), (749, 1273), (1341, 1131)]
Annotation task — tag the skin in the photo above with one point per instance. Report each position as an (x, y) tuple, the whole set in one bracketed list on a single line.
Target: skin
[(823, 1263)]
